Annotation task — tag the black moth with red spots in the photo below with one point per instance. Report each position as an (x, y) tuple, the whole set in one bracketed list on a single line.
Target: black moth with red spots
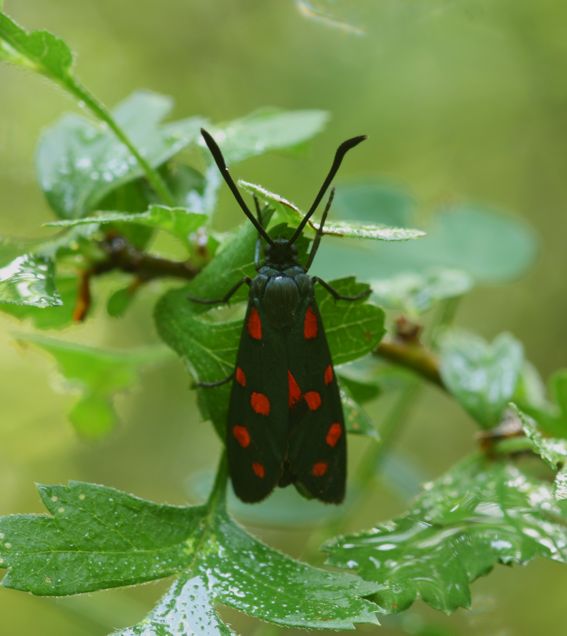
[(285, 418)]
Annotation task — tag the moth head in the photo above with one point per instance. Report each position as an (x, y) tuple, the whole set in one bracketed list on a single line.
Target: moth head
[(281, 251)]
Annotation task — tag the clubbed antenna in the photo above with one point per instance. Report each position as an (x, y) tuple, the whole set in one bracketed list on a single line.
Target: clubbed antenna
[(221, 164), (339, 156)]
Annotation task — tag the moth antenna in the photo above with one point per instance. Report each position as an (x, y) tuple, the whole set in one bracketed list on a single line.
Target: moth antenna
[(339, 156), (223, 169)]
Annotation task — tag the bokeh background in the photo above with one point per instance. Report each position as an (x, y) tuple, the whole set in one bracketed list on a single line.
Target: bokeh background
[(462, 100)]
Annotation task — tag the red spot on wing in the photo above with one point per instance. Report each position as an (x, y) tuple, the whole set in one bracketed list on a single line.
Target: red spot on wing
[(329, 374), (319, 469), (254, 324), (241, 435), (313, 400), (310, 326), (259, 470), (334, 434), (260, 403), (240, 376), (294, 394)]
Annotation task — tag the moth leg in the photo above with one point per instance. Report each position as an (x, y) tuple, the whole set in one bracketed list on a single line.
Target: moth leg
[(337, 295), (319, 234), (212, 385), (222, 301)]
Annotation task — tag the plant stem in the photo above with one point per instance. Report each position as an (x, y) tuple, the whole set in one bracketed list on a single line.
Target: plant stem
[(416, 358), (217, 497), (101, 112)]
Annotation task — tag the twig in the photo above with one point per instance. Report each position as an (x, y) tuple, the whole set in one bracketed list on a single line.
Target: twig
[(123, 256)]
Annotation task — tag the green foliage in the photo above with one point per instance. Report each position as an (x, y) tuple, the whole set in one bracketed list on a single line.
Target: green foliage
[(551, 416), (477, 515), (39, 51), (552, 451), (483, 377), (353, 229), (114, 183), (28, 280), (97, 375), (97, 537), (180, 222), (80, 162)]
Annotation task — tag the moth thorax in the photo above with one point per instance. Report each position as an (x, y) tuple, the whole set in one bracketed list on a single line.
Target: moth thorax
[(281, 253), (281, 297)]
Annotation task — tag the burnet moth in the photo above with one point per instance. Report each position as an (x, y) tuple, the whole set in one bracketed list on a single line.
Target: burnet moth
[(285, 418)]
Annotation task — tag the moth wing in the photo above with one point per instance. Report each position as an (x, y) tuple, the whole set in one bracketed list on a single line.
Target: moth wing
[(257, 426), (317, 444)]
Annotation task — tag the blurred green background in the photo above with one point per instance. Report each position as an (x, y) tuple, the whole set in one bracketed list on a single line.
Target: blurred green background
[(462, 100)]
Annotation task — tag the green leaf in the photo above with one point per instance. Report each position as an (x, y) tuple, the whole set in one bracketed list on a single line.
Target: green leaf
[(208, 347), (54, 317), (477, 515), (97, 374), (488, 246), (482, 376), (352, 229), (552, 451), (40, 51), (97, 538), (415, 293), (357, 420), (530, 397), (353, 329), (79, 162), (186, 608), (267, 129), (28, 279), (180, 222)]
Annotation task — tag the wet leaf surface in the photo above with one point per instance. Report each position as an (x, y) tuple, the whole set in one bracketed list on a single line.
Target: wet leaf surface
[(29, 280), (482, 376), (97, 537), (80, 162), (477, 515), (552, 451), (179, 222), (348, 229)]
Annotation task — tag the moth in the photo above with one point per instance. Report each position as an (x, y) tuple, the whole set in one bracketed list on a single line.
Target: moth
[(285, 417)]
